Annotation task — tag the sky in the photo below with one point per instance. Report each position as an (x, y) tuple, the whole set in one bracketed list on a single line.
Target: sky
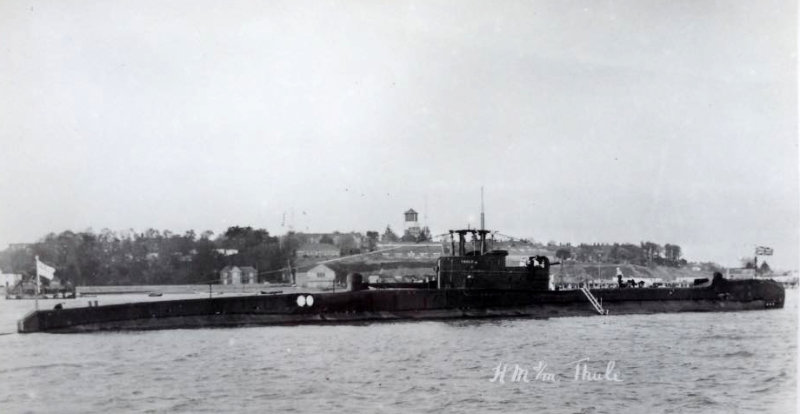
[(584, 121)]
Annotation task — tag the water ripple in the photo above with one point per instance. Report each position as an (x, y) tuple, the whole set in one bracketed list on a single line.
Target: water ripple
[(680, 363)]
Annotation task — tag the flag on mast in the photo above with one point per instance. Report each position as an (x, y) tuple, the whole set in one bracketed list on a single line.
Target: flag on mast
[(763, 251), (43, 270)]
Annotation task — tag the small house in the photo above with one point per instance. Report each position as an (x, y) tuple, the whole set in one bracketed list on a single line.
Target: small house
[(322, 276), (249, 275), (235, 275), (740, 274)]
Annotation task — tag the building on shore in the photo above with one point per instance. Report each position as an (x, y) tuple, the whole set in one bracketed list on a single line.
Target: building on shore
[(404, 251), (26, 288), (319, 250), (18, 247), (740, 274), (9, 279), (322, 276), (226, 252), (235, 275)]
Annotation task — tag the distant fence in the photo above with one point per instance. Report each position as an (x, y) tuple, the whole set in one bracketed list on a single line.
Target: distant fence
[(175, 289)]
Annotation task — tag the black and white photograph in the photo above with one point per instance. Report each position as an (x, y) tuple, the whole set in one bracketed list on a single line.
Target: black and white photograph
[(373, 206)]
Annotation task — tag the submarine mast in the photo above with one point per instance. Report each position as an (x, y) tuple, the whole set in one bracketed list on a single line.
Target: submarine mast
[(482, 222)]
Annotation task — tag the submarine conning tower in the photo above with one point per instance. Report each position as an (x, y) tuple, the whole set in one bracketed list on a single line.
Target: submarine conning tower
[(481, 268)]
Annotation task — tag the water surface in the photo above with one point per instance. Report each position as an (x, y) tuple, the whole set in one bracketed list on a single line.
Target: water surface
[(672, 363)]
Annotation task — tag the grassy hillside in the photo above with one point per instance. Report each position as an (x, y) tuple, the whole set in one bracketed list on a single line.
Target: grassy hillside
[(590, 271), (368, 267)]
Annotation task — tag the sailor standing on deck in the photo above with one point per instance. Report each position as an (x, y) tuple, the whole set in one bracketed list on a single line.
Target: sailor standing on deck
[(619, 278)]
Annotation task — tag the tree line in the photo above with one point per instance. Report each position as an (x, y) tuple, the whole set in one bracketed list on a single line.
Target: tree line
[(645, 254), (153, 256), (157, 257), (389, 236)]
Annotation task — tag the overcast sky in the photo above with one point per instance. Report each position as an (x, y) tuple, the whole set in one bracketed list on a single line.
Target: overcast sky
[(585, 121)]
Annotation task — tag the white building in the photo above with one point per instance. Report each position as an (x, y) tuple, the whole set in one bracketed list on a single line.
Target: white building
[(321, 250), (226, 252), (9, 279), (234, 275), (321, 276), (739, 274), (411, 223)]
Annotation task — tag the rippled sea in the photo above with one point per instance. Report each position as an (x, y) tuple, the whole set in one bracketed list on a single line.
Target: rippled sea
[(673, 363)]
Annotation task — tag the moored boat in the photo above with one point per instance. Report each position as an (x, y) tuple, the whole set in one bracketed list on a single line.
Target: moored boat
[(470, 283)]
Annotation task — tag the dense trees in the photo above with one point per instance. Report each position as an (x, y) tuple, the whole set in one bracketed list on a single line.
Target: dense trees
[(423, 235), (748, 263), (563, 254), (152, 257), (389, 236), (347, 244), (646, 253), (163, 257), (372, 240), (672, 252)]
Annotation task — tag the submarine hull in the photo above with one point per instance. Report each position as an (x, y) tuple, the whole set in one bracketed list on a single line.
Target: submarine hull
[(401, 304)]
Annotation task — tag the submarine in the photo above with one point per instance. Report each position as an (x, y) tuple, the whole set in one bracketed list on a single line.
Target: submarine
[(471, 282)]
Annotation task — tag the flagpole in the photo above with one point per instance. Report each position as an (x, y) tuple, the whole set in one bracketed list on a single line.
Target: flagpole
[(755, 261), (36, 297)]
